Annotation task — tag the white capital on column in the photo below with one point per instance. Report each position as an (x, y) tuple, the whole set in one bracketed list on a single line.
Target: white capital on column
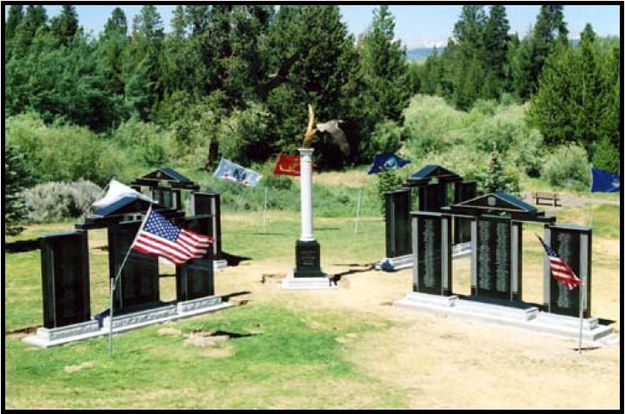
[(306, 193)]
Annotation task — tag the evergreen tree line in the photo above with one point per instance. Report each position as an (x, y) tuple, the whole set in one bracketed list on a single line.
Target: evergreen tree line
[(234, 80), (573, 91), (231, 80)]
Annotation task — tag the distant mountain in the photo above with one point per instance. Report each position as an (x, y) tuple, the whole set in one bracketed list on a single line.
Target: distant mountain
[(421, 53)]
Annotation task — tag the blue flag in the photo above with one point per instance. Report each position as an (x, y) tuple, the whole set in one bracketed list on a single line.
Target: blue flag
[(228, 170), (605, 181), (386, 162)]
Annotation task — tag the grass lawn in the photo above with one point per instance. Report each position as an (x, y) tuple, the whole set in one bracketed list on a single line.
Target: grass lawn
[(303, 350)]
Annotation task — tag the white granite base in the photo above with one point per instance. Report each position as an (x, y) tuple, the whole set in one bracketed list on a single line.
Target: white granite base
[(404, 262), (46, 338), (220, 264), (306, 283), (530, 318)]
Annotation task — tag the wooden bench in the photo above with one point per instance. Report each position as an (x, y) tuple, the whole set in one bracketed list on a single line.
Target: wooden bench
[(551, 199)]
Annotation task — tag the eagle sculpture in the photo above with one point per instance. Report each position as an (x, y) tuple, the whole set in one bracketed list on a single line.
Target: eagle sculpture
[(331, 127)]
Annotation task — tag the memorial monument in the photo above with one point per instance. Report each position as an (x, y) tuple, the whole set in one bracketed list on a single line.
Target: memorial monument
[(136, 300), (496, 268), (432, 185), (307, 273)]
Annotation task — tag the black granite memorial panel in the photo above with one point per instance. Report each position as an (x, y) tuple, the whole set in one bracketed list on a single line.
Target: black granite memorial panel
[(194, 279), (397, 217), (65, 278), (164, 197), (138, 286), (567, 242), (432, 197), (433, 267), (210, 204), (494, 257)]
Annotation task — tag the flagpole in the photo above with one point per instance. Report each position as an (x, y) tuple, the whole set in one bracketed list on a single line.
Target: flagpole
[(581, 316), (358, 209), (265, 213), (114, 282)]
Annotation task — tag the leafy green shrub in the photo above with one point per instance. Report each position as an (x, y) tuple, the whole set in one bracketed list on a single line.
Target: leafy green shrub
[(56, 200), (606, 156), (143, 142), (567, 166), (386, 138), (387, 181), (243, 137), (430, 125), (17, 177), (56, 152)]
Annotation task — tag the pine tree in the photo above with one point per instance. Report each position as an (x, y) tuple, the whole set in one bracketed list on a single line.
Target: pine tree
[(65, 25), (469, 36), (383, 65), (496, 42), (16, 14), (117, 23)]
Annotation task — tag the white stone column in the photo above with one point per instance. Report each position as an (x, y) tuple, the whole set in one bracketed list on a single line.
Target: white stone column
[(306, 193)]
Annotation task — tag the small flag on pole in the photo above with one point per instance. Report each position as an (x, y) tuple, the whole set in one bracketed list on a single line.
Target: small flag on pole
[(287, 165), (386, 162), (157, 236), (560, 270), (605, 181), (228, 170)]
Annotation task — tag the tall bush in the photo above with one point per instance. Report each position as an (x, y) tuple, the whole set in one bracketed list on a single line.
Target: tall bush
[(567, 166)]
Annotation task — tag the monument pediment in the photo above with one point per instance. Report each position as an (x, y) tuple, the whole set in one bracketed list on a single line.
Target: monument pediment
[(165, 177), (432, 173), (499, 203)]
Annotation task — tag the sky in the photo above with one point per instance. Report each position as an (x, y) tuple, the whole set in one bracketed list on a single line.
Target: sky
[(415, 25)]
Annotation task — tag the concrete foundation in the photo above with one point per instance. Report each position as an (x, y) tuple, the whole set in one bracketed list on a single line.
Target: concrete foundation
[(529, 317), (45, 338)]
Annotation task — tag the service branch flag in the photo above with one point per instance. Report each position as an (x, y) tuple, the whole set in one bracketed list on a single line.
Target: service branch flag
[(228, 170), (386, 162), (605, 181), (287, 165), (560, 270), (157, 236)]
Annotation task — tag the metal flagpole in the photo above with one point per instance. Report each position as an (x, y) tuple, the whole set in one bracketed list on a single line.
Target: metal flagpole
[(119, 271), (581, 316), (358, 209), (265, 212)]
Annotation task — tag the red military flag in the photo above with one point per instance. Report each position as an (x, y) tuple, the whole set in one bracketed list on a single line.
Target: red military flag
[(287, 165)]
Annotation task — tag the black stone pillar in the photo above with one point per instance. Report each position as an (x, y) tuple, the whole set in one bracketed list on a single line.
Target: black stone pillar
[(167, 197), (195, 278), (431, 249), (463, 191), (203, 204), (432, 197), (138, 285), (492, 257), (397, 217), (65, 278), (573, 244)]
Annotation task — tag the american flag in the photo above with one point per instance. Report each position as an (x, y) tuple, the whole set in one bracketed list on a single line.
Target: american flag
[(560, 270), (158, 237)]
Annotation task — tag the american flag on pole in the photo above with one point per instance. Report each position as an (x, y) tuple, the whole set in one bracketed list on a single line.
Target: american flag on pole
[(560, 270), (159, 237)]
